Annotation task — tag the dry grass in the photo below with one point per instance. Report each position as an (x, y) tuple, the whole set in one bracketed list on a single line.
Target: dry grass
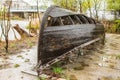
[(106, 78), (18, 45)]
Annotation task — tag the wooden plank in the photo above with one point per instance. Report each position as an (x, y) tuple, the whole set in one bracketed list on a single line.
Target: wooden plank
[(88, 43), (61, 21), (30, 72), (71, 20), (78, 19)]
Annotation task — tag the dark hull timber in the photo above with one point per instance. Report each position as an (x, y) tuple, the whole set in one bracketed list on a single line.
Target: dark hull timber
[(63, 30)]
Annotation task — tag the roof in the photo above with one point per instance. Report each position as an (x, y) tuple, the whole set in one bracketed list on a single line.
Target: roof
[(26, 10), (31, 2), (57, 12), (41, 2)]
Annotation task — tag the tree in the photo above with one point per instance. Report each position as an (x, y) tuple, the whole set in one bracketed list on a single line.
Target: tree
[(5, 13), (114, 5), (87, 5), (38, 11), (97, 4), (71, 4), (80, 5), (75, 5)]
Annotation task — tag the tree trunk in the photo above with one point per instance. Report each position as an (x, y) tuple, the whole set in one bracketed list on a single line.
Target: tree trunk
[(96, 12), (6, 46), (118, 13), (22, 32), (89, 8), (80, 7), (115, 14), (66, 4), (7, 28), (38, 12)]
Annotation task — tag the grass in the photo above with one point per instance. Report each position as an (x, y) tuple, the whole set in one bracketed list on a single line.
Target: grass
[(80, 67), (33, 25), (73, 77), (16, 18), (16, 65), (111, 65), (118, 78), (42, 78), (27, 60), (118, 56), (18, 45), (29, 43), (106, 78), (57, 70), (20, 56)]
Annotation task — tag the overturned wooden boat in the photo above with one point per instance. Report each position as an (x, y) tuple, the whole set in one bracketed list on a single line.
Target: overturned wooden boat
[(62, 31)]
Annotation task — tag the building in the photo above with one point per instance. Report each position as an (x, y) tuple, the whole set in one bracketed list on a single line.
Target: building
[(26, 8)]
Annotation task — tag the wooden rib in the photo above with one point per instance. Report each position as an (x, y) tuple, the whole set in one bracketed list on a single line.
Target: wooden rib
[(78, 19), (61, 21), (71, 20)]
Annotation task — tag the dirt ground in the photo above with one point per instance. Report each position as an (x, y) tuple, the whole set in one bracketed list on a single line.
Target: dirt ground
[(101, 64), (12, 67)]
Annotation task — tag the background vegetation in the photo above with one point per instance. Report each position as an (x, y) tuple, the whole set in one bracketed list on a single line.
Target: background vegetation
[(82, 6)]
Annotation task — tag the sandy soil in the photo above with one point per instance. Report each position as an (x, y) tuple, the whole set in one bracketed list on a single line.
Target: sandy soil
[(102, 64), (26, 60)]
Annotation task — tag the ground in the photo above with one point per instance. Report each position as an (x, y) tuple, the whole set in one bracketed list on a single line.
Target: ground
[(13, 66), (101, 64)]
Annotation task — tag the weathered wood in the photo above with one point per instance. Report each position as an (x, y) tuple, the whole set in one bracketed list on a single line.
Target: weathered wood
[(30, 72), (22, 32), (78, 19), (60, 33), (71, 20), (42, 67)]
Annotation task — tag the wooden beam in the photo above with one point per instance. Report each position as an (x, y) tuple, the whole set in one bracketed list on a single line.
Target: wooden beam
[(71, 20), (78, 19)]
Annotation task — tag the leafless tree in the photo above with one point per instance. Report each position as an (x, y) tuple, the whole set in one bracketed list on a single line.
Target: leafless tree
[(38, 11), (97, 4), (6, 26), (89, 7), (66, 4)]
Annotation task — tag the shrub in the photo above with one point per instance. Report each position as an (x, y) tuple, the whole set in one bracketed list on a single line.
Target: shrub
[(117, 26), (16, 18), (57, 70), (112, 26), (33, 25)]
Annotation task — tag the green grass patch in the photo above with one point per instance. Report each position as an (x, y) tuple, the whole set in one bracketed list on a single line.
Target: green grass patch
[(16, 65), (57, 70)]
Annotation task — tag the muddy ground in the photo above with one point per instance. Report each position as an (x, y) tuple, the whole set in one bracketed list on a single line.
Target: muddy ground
[(103, 63)]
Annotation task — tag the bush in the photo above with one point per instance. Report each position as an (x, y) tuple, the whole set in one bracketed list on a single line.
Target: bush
[(16, 18), (112, 26), (33, 26), (57, 70), (117, 26)]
